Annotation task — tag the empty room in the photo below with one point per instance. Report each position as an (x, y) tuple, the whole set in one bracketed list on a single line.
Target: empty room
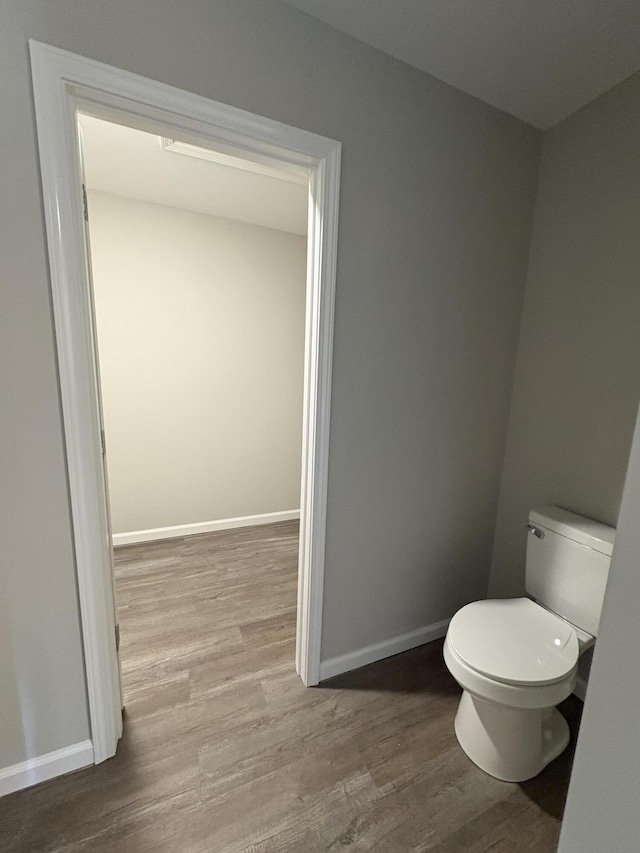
[(379, 597), (198, 271)]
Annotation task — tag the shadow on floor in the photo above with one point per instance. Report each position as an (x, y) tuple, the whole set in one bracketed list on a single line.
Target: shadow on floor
[(420, 670)]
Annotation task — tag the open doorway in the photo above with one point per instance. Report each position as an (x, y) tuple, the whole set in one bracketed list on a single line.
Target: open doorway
[(64, 85), (198, 267)]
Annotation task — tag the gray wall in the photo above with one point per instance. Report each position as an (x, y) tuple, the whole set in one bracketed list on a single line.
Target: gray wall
[(577, 382), (436, 206), (201, 338), (602, 806)]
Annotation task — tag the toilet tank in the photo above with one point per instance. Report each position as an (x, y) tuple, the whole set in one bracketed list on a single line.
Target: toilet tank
[(568, 558)]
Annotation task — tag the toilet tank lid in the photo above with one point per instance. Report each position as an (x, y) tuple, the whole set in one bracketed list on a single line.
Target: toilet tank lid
[(593, 534)]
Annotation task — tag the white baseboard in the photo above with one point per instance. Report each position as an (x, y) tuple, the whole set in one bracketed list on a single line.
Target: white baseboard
[(44, 767), (385, 649), (580, 690), (180, 530)]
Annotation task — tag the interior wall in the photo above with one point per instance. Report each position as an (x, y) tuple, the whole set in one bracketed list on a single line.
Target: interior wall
[(577, 383), (602, 804), (201, 337), (436, 203)]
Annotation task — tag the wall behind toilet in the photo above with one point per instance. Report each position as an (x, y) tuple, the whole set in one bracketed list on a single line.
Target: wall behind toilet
[(577, 382)]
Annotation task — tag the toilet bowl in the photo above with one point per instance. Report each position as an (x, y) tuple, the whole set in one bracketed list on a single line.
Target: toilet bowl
[(516, 659)]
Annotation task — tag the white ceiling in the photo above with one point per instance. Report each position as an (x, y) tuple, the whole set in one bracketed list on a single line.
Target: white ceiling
[(539, 60), (133, 164)]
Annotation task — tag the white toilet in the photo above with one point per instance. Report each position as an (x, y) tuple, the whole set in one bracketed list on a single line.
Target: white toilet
[(516, 659)]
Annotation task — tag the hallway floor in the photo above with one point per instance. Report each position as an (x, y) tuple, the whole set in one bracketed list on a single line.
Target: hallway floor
[(225, 751)]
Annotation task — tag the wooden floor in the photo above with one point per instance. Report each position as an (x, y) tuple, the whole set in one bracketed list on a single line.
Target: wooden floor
[(224, 750)]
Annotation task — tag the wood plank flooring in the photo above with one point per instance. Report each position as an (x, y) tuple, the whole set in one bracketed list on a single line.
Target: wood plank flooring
[(225, 751)]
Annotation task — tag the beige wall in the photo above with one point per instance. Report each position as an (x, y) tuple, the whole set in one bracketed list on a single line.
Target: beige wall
[(577, 383), (436, 205), (201, 339)]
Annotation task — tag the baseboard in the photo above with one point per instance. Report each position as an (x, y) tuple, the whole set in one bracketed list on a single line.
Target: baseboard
[(44, 767), (180, 530), (378, 651), (580, 690)]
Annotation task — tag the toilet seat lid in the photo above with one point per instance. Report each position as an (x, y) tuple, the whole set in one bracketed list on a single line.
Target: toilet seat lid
[(515, 641)]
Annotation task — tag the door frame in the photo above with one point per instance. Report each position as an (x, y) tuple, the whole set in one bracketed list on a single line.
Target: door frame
[(65, 83)]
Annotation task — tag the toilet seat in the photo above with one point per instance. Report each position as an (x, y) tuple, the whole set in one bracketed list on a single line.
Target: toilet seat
[(514, 642), (524, 696)]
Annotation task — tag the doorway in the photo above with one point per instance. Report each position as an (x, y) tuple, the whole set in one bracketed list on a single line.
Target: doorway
[(65, 84), (198, 274)]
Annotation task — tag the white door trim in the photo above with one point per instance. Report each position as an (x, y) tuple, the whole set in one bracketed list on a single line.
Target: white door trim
[(63, 83)]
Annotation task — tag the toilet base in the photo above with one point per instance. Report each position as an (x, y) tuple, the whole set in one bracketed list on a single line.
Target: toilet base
[(512, 744)]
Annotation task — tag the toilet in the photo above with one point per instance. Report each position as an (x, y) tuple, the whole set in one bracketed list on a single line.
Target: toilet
[(516, 659)]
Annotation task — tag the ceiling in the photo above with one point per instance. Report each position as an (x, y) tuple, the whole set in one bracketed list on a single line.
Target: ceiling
[(131, 163), (539, 60)]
